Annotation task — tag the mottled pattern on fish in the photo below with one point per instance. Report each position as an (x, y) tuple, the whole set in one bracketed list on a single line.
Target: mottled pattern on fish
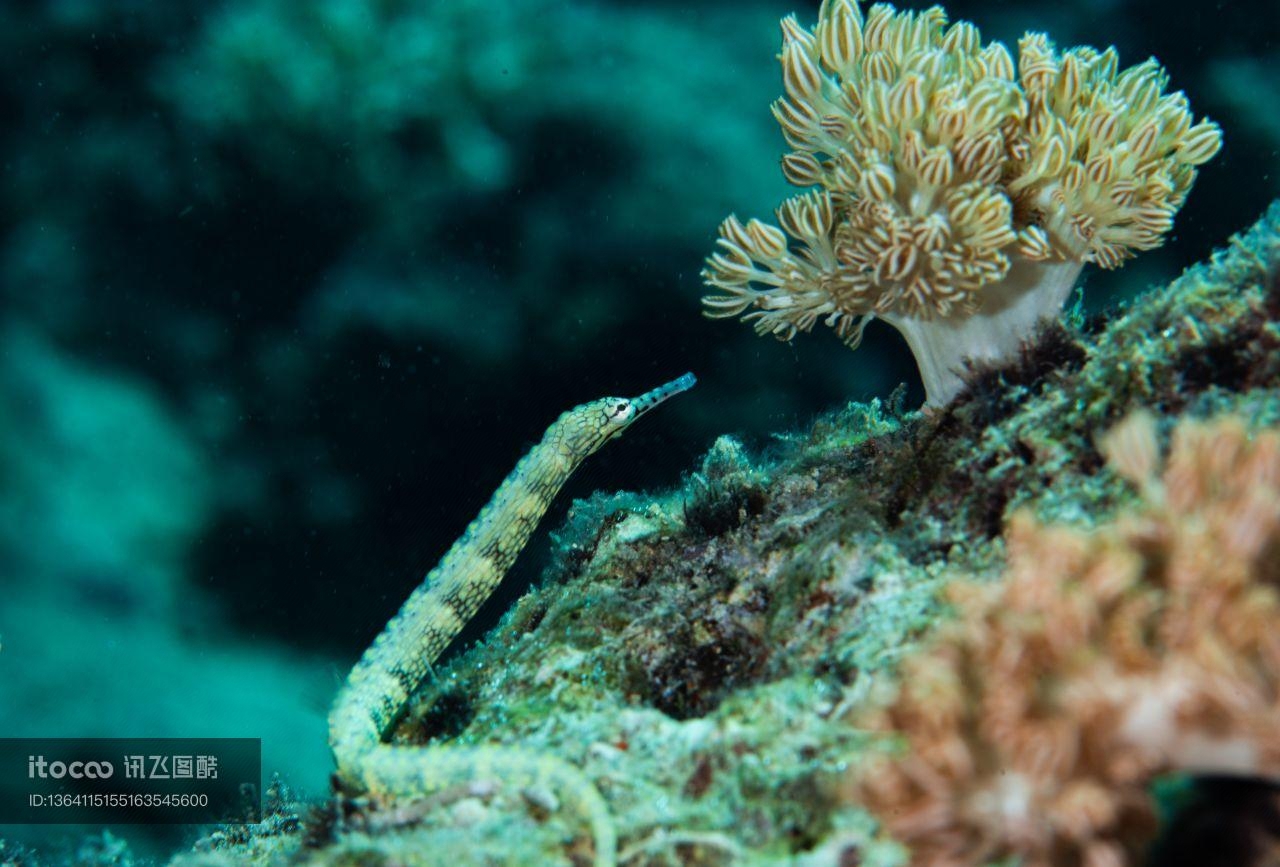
[(399, 660)]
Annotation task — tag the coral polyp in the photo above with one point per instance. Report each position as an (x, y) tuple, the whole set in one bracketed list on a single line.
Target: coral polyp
[(1038, 719), (955, 196)]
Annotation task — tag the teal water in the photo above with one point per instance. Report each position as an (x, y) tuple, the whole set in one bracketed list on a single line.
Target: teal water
[(286, 288)]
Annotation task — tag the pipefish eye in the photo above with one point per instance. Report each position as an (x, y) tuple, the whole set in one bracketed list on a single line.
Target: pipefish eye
[(621, 411)]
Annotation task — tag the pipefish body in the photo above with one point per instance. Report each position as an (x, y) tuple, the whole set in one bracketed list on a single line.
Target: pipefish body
[(380, 685)]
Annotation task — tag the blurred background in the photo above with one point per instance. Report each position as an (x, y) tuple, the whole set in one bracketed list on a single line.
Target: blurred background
[(286, 289)]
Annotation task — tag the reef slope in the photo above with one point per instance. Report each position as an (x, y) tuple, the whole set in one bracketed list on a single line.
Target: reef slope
[(702, 653)]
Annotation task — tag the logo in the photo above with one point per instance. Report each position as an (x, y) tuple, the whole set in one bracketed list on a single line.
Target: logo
[(37, 766)]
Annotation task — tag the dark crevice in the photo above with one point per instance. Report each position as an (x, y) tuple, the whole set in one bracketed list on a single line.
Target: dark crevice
[(447, 717)]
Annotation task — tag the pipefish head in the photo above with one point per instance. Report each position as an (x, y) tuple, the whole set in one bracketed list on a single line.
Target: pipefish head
[(594, 424)]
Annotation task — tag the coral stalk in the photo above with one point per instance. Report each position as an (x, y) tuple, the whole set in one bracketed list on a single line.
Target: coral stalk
[(1007, 316)]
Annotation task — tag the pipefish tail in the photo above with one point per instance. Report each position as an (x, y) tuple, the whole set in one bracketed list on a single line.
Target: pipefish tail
[(380, 685)]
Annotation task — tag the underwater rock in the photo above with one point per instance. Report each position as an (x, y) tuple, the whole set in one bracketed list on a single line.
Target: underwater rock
[(103, 632), (711, 680), (104, 491)]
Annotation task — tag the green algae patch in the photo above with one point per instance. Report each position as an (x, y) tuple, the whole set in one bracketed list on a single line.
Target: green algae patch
[(700, 654)]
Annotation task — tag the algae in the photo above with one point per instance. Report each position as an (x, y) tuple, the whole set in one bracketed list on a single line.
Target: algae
[(697, 651)]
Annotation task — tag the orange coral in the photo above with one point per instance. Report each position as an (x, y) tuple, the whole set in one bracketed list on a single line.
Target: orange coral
[(1034, 722), (956, 198)]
